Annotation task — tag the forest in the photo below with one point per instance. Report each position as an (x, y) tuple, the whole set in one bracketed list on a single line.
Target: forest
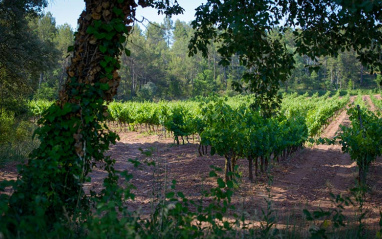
[(257, 119)]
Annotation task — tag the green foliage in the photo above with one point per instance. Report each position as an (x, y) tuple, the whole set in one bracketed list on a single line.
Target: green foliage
[(49, 200), (377, 103), (73, 138), (320, 116), (175, 216), (7, 121), (317, 111), (378, 80), (314, 29), (15, 138), (37, 107), (180, 122), (218, 23), (326, 222), (362, 140), (24, 53), (147, 92), (45, 92)]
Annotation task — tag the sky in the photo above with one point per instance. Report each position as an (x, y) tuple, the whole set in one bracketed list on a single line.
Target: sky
[(68, 11)]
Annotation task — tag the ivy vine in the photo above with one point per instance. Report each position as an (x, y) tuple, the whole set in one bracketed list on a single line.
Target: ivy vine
[(73, 134)]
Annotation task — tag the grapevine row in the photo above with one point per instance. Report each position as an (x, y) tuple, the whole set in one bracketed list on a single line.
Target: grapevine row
[(231, 127)]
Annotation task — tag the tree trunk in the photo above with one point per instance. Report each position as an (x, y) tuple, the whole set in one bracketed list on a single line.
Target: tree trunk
[(225, 78), (228, 168), (361, 175), (73, 135), (257, 166), (233, 163), (250, 166)]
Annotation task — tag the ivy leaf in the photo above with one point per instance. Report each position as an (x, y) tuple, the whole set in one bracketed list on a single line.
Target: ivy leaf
[(170, 195), (213, 174), (90, 30), (102, 48), (104, 86), (122, 39), (308, 215), (70, 48), (66, 109), (180, 194), (230, 184), (109, 35), (221, 183), (219, 216), (119, 27), (109, 69), (103, 64), (100, 35), (117, 11), (107, 27), (127, 52)]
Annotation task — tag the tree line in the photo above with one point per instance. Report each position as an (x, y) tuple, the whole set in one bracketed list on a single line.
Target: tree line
[(157, 66)]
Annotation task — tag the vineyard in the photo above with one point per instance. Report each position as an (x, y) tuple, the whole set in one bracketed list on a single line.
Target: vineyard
[(234, 128), (312, 147)]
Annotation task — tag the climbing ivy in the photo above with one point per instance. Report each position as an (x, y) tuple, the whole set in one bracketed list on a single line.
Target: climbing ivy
[(73, 133)]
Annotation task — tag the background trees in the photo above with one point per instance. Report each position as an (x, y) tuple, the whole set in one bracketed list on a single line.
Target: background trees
[(254, 30), (22, 53), (159, 62), (33, 53), (176, 75)]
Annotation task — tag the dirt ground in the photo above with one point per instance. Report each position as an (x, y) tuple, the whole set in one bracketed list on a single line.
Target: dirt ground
[(305, 180)]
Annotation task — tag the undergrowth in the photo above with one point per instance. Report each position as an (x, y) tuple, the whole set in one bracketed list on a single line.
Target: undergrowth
[(15, 138)]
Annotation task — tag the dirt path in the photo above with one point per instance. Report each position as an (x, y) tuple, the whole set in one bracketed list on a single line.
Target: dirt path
[(316, 171)]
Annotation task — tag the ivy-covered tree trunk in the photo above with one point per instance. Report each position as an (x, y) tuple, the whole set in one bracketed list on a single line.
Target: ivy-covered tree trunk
[(73, 134)]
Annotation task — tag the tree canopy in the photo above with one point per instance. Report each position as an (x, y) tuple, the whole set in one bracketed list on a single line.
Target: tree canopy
[(320, 28)]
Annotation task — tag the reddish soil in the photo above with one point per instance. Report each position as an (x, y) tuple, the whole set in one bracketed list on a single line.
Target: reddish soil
[(8, 172), (305, 180)]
